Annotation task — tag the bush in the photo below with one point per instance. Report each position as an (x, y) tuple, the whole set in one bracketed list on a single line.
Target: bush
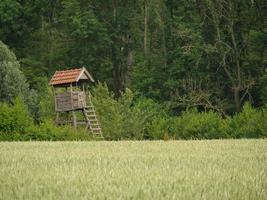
[(48, 131), (263, 88), (155, 118), (14, 118), (108, 112), (198, 125), (263, 123), (16, 124), (126, 118), (157, 129), (144, 119), (46, 105), (133, 117), (250, 123)]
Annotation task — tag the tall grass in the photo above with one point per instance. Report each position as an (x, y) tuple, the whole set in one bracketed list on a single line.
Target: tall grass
[(218, 169)]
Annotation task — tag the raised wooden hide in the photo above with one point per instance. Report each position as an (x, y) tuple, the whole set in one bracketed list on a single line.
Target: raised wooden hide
[(68, 101)]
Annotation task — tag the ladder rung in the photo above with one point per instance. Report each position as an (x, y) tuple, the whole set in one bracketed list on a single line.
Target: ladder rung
[(94, 125), (90, 112), (95, 129), (81, 123), (92, 119), (91, 115), (89, 106)]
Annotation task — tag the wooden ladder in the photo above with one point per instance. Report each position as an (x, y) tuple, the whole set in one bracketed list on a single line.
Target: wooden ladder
[(92, 122)]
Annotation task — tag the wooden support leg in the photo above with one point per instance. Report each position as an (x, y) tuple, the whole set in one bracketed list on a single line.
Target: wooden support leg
[(68, 118), (57, 118), (74, 119)]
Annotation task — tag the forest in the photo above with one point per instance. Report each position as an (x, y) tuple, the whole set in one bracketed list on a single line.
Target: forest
[(165, 69)]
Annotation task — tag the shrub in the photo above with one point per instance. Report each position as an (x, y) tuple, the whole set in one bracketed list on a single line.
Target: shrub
[(133, 117), (158, 128), (14, 118), (263, 87), (46, 105), (48, 131), (108, 112), (198, 125), (250, 123), (263, 122), (126, 118), (155, 118), (16, 124)]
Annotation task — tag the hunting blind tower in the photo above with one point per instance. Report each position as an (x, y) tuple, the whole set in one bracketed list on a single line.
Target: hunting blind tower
[(71, 97)]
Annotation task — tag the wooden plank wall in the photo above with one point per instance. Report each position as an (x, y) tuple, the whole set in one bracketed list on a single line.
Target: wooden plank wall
[(68, 101)]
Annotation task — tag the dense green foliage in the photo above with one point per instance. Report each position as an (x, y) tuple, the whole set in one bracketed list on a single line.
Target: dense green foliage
[(14, 118), (125, 118), (174, 69), (205, 53), (13, 82), (17, 124)]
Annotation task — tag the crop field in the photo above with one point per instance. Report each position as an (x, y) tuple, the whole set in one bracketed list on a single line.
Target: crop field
[(218, 169)]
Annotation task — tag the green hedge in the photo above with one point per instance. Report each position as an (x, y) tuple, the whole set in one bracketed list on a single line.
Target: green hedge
[(16, 124), (129, 118), (250, 123), (15, 118), (198, 125), (47, 131)]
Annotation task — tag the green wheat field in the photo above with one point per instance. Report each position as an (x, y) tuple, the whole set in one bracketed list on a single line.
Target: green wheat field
[(217, 169)]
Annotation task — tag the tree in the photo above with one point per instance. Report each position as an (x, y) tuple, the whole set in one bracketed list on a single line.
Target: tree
[(13, 82), (209, 54), (86, 40), (231, 23)]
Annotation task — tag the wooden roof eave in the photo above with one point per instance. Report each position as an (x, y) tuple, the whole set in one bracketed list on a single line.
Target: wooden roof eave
[(63, 84), (84, 71)]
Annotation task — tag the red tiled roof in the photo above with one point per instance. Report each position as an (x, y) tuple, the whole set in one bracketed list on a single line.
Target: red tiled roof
[(66, 76)]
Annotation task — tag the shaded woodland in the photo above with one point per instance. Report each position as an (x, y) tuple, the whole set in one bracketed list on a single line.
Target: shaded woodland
[(155, 60)]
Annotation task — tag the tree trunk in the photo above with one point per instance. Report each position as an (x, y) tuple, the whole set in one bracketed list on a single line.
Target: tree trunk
[(116, 64), (164, 48), (237, 98), (145, 26), (238, 88)]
